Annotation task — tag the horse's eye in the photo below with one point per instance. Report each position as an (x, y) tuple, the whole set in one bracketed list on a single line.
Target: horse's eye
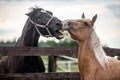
[(86, 24), (58, 24), (39, 16)]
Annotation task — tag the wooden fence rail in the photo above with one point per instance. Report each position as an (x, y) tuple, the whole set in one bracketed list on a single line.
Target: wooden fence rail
[(47, 51), (42, 76)]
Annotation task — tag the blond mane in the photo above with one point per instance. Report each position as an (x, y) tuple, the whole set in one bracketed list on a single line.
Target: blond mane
[(98, 50)]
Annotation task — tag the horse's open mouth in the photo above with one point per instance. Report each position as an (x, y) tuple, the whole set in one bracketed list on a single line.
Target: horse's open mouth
[(59, 34)]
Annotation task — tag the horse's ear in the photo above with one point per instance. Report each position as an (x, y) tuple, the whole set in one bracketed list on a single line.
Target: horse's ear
[(83, 16), (94, 19), (30, 11), (28, 14)]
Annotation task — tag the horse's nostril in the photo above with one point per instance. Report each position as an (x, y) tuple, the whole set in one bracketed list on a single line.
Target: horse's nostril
[(69, 23)]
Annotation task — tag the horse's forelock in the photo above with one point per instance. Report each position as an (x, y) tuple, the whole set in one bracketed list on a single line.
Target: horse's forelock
[(32, 9), (36, 8)]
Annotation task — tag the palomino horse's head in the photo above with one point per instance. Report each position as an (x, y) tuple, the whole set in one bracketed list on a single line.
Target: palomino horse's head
[(79, 29), (45, 23)]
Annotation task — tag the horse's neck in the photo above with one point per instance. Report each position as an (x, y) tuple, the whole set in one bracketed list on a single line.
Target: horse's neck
[(93, 49), (29, 36)]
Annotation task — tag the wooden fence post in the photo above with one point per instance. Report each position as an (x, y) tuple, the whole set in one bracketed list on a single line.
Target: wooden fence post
[(52, 63)]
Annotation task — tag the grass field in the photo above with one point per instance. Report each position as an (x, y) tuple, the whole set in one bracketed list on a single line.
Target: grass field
[(62, 65)]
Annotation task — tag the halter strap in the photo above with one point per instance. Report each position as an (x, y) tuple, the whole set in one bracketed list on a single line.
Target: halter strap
[(43, 26)]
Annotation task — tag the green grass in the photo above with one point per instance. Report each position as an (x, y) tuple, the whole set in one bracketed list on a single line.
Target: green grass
[(73, 69), (74, 66)]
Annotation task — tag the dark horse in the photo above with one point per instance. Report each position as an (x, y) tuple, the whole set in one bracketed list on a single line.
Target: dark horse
[(40, 22)]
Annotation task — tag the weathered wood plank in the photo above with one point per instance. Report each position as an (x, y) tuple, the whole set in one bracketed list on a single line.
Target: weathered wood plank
[(47, 51), (52, 63), (35, 51), (112, 51), (42, 76)]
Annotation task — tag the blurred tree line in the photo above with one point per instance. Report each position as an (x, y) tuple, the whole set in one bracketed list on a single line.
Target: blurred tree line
[(7, 43), (63, 43), (66, 42), (49, 43)]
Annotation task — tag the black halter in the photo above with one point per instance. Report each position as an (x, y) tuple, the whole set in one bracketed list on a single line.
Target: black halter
[(43, 26)]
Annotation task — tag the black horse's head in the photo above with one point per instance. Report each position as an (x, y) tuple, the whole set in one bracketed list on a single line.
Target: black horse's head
[(45, 23)]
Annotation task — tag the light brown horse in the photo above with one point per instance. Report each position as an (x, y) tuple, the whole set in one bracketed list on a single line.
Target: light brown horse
[(93, 63)]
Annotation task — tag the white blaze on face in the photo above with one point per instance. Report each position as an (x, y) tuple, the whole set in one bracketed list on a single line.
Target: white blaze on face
[(44, 11), (66, 24)]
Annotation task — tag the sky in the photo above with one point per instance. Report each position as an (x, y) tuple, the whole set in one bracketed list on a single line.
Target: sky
[(107, 25)]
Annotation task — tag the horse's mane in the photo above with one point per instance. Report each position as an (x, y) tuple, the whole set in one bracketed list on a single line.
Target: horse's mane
[(98, 50)]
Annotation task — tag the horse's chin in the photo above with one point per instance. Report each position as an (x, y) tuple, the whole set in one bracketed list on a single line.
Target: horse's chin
[(59, 34)]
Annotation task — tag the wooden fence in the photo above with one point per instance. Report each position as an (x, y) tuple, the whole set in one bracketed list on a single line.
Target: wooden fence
[(47, 51)]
